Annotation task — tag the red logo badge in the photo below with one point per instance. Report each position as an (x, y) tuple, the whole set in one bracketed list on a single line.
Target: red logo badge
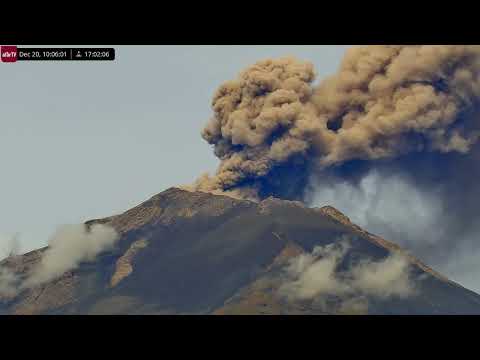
[(9, 53)]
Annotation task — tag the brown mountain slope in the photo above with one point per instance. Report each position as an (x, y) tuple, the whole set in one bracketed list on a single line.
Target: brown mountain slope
[(186, 252)]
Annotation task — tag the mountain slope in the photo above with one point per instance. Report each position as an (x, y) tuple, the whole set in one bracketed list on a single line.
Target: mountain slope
[(186, 252)]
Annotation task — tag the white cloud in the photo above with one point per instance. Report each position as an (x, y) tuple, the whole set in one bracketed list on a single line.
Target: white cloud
[(68, 247), (309, 276)]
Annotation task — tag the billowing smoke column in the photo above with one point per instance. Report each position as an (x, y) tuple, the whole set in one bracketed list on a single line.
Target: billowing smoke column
[(272, 129), (263, 122)]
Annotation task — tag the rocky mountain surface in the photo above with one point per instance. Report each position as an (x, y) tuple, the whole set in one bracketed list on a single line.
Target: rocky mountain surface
[(184, 252)]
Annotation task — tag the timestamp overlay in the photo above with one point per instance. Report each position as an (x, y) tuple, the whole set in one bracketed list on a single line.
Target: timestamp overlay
[(65, 54)]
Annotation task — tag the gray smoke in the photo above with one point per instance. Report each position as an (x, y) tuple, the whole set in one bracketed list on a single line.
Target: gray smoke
[(389, 205), (423, 219)]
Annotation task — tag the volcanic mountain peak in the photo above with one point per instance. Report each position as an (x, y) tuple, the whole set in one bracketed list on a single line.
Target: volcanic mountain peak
[(334, 213), (164, 207), (196, 253)]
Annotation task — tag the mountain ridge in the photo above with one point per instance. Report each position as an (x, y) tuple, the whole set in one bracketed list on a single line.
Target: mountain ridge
[(194, 252)]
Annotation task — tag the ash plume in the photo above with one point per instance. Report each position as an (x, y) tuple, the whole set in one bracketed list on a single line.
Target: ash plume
[(404, 118), (272, 129)]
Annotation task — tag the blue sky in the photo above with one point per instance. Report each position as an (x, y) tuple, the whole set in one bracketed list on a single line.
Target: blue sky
[(84, 140)]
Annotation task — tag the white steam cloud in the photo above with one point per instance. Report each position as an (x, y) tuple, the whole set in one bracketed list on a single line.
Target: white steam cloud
[(386, 204), (9, 246), (314, 274), (387, 278), (395, 207), (311, 276), (8, 283), (68, 247)]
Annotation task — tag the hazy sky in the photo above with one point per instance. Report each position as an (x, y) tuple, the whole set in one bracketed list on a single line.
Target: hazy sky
[(84, 140)]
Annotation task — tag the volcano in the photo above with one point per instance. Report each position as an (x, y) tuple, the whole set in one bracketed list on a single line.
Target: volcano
[(186, 252)]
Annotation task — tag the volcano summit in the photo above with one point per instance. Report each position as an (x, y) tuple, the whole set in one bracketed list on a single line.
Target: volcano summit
[(184, 252)]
